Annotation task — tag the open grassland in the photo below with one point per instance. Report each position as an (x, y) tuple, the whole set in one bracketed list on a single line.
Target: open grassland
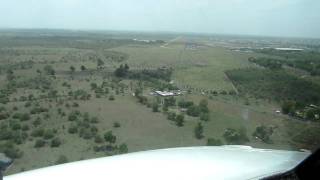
[(67, 87), (202, 68), (141, 129)]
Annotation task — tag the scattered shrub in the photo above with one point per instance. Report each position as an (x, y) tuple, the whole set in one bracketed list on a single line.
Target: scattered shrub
[(198, 131), (61, 160), (39, 143), (116, 124), (98, 139), (123, 148), (56, 142), (214, 142), (109, 137)]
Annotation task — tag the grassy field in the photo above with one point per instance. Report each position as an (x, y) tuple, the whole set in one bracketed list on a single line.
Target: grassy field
[(202, 68), (196, 67)]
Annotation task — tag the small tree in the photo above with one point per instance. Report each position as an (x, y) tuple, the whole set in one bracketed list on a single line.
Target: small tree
[(73, 129), (214, 142), (123, 148), (49, 70), (100, 63), (61, 160), (56, 142), (109, 137), (72, 69), (204, 117), (72, 116), (25, 127), (116, 124), (233, 136), (83, 68), (37, 132), (48, 134), (165, 108), (288, 107), (194, 111), (98, 139), (94, 86), (39, 143), (111, 98), (155, 107), (171, 116), (24, 117), (180, 120), (203, 105), (263, 133), (198, 131)]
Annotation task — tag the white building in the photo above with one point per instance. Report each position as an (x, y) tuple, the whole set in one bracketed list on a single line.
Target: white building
[(165, 93)]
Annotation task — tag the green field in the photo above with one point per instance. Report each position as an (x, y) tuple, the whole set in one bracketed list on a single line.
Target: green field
[(198, 69)]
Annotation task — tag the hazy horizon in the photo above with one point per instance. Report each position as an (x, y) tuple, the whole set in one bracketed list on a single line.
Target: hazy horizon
[(275, 18)]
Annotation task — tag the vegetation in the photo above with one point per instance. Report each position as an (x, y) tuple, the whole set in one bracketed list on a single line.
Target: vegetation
[(62, 159), (234, 136), (198, 131), (305, 60), (39, 143), (276, 85), (263, 133), (214, 142), (109, 137), (91, 96), (56, 142)]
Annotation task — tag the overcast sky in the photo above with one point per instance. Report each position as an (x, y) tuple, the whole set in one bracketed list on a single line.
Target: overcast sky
[(300, 18)]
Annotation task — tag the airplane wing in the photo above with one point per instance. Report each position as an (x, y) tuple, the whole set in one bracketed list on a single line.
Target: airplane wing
[(201, 163)]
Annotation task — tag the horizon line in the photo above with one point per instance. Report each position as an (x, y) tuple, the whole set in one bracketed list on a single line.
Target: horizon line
[(156, 32)]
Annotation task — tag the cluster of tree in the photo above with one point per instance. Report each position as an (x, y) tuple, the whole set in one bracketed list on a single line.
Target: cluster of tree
[(54, 142), (305, 60), (122, 71), (4, 97), (198, 131), (80, 94), (115, 56), (21, 116), (10, 150), (83, 125), (273, 64), (4, 68), (49, 70), (112, 149), (38, 110), (151, 74), (140, 97), (263, 133), (275, 85), (110, 137), (170, 101), (235, 136), (308, 140), (301, 110), (178, 119), (214, 142), (103, 89), (185, 104), (46, 137), (14, 132), (201, 110), (61, 160), (38, 83)]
